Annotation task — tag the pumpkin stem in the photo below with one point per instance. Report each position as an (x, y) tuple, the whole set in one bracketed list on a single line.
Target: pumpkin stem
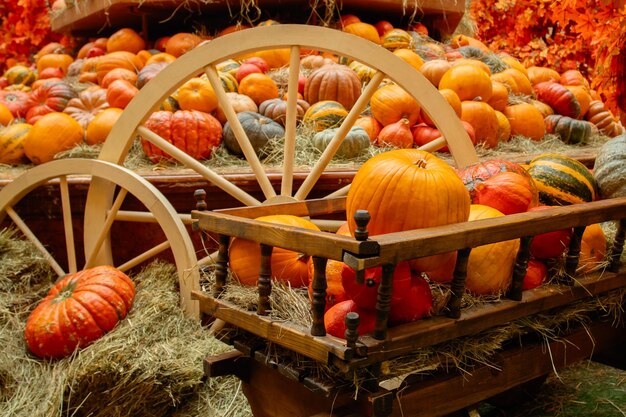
[(421, 163), (66, 292)]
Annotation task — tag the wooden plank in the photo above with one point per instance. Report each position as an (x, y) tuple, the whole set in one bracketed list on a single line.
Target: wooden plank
[(312, 208), (311, 242), (287, 334)]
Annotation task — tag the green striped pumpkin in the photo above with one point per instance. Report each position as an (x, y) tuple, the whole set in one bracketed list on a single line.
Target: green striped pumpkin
[(169, 104), (230, 66), (572, 131), (229, 82), (20, 75), (364, 72), (325, 114), (12, 143), (562, 180), (396, 38)]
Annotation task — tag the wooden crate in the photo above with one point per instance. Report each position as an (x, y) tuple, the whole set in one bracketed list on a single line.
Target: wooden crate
[(266, 377)]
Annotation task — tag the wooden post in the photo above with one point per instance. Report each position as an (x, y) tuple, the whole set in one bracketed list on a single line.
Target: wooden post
[(221, 266), (571, 261), (618, 246), (319, 296), (352, 320), (362, 218), (383, 302), (265, 280), (519, 269), (458, 283)]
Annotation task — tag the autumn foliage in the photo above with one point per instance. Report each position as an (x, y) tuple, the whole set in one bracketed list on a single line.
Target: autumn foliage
[(587, 35)]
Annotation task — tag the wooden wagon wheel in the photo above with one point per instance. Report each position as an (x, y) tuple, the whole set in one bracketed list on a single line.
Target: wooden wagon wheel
[(294, 38), (123, 183)]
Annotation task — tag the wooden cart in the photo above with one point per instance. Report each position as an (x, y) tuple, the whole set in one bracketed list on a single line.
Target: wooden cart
[(276, 385)]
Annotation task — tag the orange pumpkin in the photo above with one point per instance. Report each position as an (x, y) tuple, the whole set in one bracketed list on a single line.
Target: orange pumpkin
[(120, 93), (333, 82), (434, 69), (119, 74), (593, 247), (537, 74), (508, 192), (52, 133), (397, 135), (161, 57), (489, 267), (483, 119), (335, 319), (287, 266), (499, 95), (119, 59), (6, 116), (99, 127), (514, 63), (259, 87), (370, 125), (410, 57), (88, 103), (468, 81), (363, 30), (536, 273), (475, 62), (452, 98), (526, 120), (125, 39), (582, 95), (240, 103), (197, 94), (181, 42), (61, 61), (523, 83), (391, 103)]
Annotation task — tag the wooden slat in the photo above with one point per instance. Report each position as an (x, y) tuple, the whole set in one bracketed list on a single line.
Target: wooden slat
[(313, 207), (289, 335)]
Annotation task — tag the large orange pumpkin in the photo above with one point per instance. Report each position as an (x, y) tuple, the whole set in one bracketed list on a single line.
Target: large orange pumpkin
[(468, 81), (489, 267), (526, 120), (333, 82), (51, 134), (287, 266), (407, 189), (391, 103)]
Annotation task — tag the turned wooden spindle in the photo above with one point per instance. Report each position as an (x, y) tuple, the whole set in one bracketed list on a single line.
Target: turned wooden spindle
[(221, 265), (573, 253), (200, 196), (519, 269), (457, 286), (383, 302), (265, 280), (318, 302), (351, 334), (361, 218), (618, 246)]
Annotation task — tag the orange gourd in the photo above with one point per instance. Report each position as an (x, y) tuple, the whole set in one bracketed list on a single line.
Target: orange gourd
[(333, 82), (434, 69)]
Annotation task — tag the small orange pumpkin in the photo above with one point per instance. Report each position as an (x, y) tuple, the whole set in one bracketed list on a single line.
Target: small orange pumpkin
[(391, 103), (397, 135), (182, 42), (259, 87), (100, 126), (125, 39), (593, 249), (120, 93), (483, 119), (197, 94), (52, 133)]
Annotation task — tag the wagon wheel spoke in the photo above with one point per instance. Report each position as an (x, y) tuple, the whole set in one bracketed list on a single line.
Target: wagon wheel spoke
[(240, 134), (146, 255), (286, 187), (28, 233), (343, 130), (106, 228), (67, 224)]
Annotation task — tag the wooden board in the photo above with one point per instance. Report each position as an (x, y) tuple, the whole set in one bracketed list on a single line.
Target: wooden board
[(91, 17)]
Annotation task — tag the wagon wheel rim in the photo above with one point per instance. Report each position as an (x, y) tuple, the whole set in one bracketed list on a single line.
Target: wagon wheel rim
[(124, 183)]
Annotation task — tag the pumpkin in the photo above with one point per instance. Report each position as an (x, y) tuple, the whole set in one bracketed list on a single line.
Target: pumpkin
[(6, 116), (483, 119), (471, 61), (550, 244), (259, 87), (536, 273), (125, 39), (573, 77), (259, 129), (52, 133), (311, 62), (325, 115), (101, 124), (354, 144), (50, 48), (407, 189), (409, 57), (452, 98), (365, 295), (391, 103), (608, 168), (335, 319), (85, 107), (364, 72), (229, 82), (333, 82), (475, 174), (240, 103), (61, 61), (276, 109), (119, 74), (460, 40), (396, 135), (557, 96), (181, 43), (504, 127), (149, 72), (15, 101), (197, 94), (53, 96), (170, 103), (118, 59), (537, 74), (508, 192), (593, 249), (468, 82), (562, 180), (246, 68), (522, 82), (287, 266), (120, 93), (370, 125), (78, 310), (12, 143), (525, 120), (416, 303), (161, 57), (582, 96), (20, 74), (499, 96), (396, 39), (434, 69), (572, 131), (275, 58), (543, 108), (489, 267), (363, 30), (192, 131), (603, 119)]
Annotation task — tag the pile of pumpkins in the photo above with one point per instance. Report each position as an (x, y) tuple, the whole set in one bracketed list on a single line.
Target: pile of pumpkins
[(62, 99)]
